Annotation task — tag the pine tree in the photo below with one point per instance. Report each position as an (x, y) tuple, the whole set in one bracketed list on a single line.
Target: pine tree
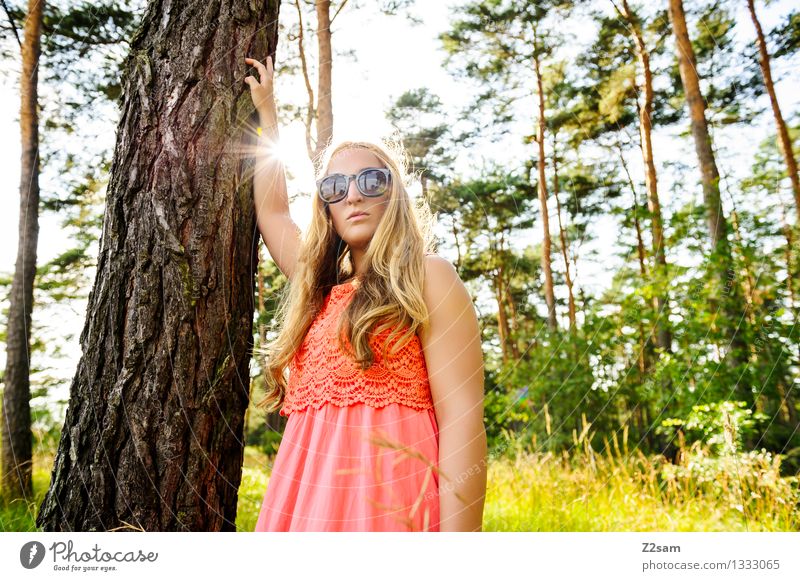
[(153, 437)]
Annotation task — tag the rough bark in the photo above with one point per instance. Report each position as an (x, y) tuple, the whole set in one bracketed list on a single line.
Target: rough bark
[(784, 141), (17, 451), (153, 438)]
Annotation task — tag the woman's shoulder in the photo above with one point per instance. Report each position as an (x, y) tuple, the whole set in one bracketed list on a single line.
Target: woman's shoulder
[(441, 278), (445, 294), (435, 263)]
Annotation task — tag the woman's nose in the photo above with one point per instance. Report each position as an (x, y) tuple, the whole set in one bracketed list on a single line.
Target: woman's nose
[(353, 193)]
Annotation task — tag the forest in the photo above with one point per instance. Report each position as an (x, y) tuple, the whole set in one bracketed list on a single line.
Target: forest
[(615, 181)]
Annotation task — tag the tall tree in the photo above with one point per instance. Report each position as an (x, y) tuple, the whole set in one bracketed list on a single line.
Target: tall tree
[(559, 94), (505, 46), (17, 452), (645, 86), (784, 141), (426, 135), (617, 107), (721, 260), (562, 234), (488, 210), (538, 54), (154, 428), (319, 110), (55, 113), (317, 113)]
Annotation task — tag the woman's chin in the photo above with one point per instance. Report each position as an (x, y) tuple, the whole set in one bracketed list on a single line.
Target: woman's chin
[(360, 241)]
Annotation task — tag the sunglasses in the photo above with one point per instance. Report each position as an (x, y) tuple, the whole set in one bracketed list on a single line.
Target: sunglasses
[(372, 182)]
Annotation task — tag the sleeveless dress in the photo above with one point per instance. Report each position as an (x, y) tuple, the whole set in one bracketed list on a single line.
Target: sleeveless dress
[(360, 449)]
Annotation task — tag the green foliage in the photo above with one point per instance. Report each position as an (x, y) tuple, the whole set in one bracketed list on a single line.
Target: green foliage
[(786, 36), (610, 490), (426, 135), (504, 414), (721, 402), (722, 426), (733, 78)]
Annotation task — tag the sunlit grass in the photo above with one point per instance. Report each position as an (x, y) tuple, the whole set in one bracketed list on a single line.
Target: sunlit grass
[(19, 515), (251, 491), (577, 491), (589, 491)]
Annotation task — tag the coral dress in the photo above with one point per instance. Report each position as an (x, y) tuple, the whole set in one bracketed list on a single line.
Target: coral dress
[(360, 449)]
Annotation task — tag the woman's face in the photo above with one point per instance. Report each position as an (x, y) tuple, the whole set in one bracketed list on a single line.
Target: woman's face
[(356, 232)]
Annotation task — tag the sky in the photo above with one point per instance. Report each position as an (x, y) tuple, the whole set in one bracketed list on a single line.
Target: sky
[(391, 56)]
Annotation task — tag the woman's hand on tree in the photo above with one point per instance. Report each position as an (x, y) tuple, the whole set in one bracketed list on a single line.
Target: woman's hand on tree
[(262, 91)]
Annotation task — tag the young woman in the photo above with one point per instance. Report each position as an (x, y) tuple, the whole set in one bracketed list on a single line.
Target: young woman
[(384, 396)]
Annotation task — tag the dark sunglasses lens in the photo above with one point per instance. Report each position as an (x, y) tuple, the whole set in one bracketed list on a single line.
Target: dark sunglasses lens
[(333, 187), (373, 182)]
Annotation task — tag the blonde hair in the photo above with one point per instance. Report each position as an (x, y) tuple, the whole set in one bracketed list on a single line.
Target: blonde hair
[(389, 295)]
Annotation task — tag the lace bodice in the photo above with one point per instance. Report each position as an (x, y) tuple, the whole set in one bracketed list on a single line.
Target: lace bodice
[(320, 372)]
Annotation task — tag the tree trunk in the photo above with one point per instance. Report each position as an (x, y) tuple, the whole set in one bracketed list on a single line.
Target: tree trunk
[(311, 110), (663, 335), (789, 260), (644, 336), (725, 283), (320, 110), (516, 340), (17, 452), (457, 244), (506, 303), (564, 242), (717, 225), (502, 320), (325, 104), (546, 243), (153, 438), (784, 141), (498, 284)]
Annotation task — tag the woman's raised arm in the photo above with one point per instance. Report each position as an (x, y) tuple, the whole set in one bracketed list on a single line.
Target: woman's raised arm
[(279, 231)]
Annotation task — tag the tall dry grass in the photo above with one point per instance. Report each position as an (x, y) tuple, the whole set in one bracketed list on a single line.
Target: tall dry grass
[(613, 488)]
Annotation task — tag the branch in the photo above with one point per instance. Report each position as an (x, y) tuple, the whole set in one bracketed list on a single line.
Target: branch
[(338, 10), (311, 109), (11, 20)]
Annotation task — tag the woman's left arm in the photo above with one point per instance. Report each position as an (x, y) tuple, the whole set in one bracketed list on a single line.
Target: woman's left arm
[(454, 358)]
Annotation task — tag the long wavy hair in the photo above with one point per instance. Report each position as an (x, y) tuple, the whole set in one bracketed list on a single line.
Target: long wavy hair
[(389, 295)]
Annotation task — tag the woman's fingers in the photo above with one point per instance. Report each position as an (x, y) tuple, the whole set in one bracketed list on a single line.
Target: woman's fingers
[(261, 91), (264, 72), (261, 70)]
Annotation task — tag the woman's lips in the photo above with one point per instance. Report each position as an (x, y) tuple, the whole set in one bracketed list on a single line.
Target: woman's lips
[(358, 216)]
